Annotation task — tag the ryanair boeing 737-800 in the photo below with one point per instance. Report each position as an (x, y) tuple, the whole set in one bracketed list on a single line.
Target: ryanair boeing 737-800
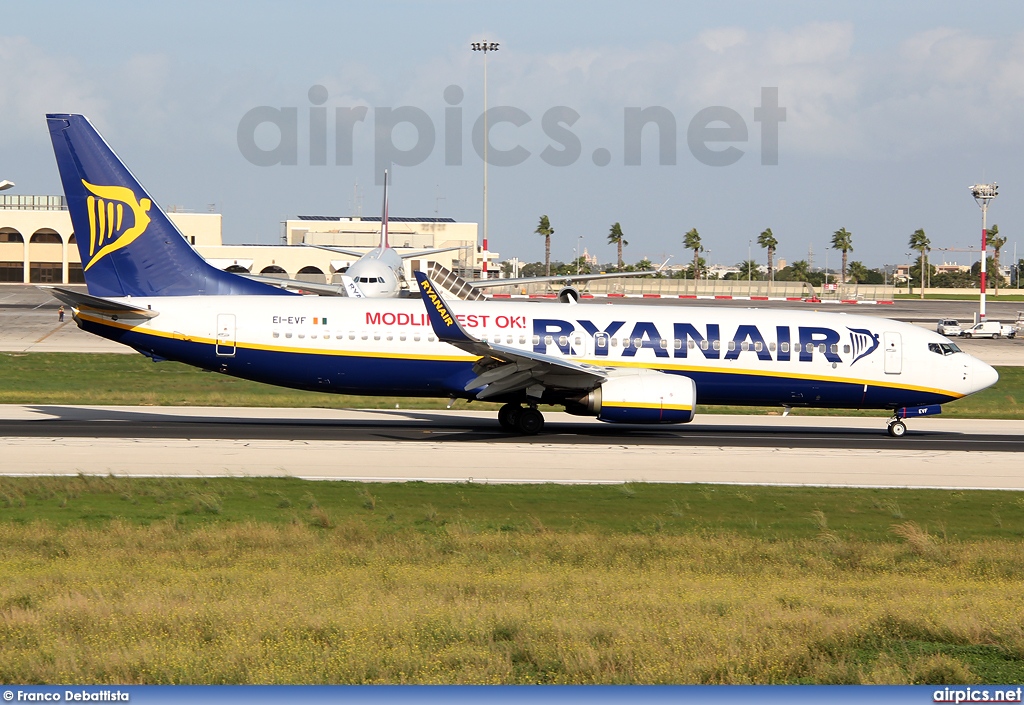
[(150, 290)]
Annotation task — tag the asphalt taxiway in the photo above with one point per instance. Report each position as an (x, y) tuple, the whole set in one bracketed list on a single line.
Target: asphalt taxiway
[(466, 446)]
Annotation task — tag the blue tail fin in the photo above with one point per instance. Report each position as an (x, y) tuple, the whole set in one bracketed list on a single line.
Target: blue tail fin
[(128, 245)]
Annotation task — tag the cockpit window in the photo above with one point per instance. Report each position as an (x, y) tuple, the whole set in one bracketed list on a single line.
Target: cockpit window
[(943, 348)]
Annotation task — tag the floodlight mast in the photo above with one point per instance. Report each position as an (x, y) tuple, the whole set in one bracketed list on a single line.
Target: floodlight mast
[(983, 194)]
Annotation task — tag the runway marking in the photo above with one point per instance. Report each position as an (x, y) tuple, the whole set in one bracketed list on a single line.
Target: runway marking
[(59, 326)]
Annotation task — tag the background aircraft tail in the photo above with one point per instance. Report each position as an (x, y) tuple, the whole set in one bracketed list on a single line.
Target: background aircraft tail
[(128, 245)]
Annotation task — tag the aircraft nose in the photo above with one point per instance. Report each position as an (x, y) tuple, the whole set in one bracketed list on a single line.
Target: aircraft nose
[(983, 376)]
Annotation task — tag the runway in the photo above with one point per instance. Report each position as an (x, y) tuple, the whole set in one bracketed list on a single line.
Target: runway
[(464, 446)]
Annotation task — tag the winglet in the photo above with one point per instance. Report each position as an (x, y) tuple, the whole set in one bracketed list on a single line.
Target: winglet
[(442, 320)]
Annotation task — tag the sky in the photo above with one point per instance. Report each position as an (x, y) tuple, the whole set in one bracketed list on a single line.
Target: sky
[(891, 111)]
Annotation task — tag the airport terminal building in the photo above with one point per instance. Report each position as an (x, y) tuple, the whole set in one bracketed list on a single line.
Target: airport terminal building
[(38, 244)]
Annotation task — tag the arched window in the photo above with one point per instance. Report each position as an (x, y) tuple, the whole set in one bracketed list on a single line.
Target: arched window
[(72, 240), (311, 274), (274, 271), (10, 235), (236, 269), (46, 236)]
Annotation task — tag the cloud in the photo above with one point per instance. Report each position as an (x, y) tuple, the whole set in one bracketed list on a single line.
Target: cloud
[(34, 83)]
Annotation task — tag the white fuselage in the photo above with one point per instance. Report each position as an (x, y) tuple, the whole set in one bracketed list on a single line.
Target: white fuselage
[(386, 346)]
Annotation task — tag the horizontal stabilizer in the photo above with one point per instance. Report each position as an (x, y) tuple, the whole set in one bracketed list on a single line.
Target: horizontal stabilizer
[(81, 301)]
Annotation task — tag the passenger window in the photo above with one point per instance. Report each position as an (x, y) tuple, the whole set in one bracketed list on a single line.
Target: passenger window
[(287, 335), (602, 342), (821, 348), (810, 347), (430, 339), (522, 340), (548, 340), (758, 346), (717, 345), (785, 347), (562, 341), (704, 345), (615, 342), (302, 335), (664, 344), (578, 341), (364, 336), (497, 338), (416, 337), (276, 334), (834, 348), (691, 346), (312, 336), (732, 345), (351, 335), (637, 342), (744, 346), (390, 337), (508, 340), (402, 336), (771, 346), (376, 336), (846, 348), (536, 340)]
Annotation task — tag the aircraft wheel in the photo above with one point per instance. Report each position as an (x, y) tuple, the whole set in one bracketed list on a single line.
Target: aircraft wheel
[(529, 422), (897, 429), (508, 415)]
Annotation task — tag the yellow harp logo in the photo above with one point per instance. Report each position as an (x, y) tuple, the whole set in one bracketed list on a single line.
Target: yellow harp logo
[(106, 218)]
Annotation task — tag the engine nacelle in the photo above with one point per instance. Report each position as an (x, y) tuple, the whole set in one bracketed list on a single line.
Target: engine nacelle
[(641, 396), (569, 295)]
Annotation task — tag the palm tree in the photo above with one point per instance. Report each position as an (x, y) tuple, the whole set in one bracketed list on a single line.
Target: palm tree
[(997, 242), (766, 239), (749, 269), (920, 242), (801, 270), (691, 241), (615, 238), (544, 228), (842, 239), (858, 272)]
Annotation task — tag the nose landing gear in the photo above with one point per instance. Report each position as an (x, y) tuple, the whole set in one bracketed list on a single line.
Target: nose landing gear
[(525, 420), (896, 427)]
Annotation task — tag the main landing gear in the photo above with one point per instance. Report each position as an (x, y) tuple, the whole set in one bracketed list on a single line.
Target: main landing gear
[(896, 427), (525, 420)]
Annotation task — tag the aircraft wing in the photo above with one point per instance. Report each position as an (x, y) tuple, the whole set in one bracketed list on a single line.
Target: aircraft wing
[(81, 301), (563, 278), (502, 369), (321, 289), (424, 253), (341, 250)]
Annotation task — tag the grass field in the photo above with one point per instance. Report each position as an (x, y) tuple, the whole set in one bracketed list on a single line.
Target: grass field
[(282, 581), (129, 380)]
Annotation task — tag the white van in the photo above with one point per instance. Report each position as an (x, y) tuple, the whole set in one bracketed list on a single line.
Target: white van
[(989, 329)]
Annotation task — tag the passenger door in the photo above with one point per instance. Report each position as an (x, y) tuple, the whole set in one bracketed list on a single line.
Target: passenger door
[(893, 353), (226, 334)]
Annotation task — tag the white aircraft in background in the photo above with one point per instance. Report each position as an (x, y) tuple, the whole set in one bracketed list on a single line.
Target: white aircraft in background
[(379, 274), (150, 290)]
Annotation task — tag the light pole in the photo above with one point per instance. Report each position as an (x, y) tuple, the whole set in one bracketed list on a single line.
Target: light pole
[(748, 265), (485, 47), (983, 193), (579, 253)]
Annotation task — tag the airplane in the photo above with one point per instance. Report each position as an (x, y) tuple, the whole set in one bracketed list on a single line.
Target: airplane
[(630, 364), (379, 274)]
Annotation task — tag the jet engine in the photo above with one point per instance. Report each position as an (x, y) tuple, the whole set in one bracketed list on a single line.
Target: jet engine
[(569, 295), (640, 396)]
